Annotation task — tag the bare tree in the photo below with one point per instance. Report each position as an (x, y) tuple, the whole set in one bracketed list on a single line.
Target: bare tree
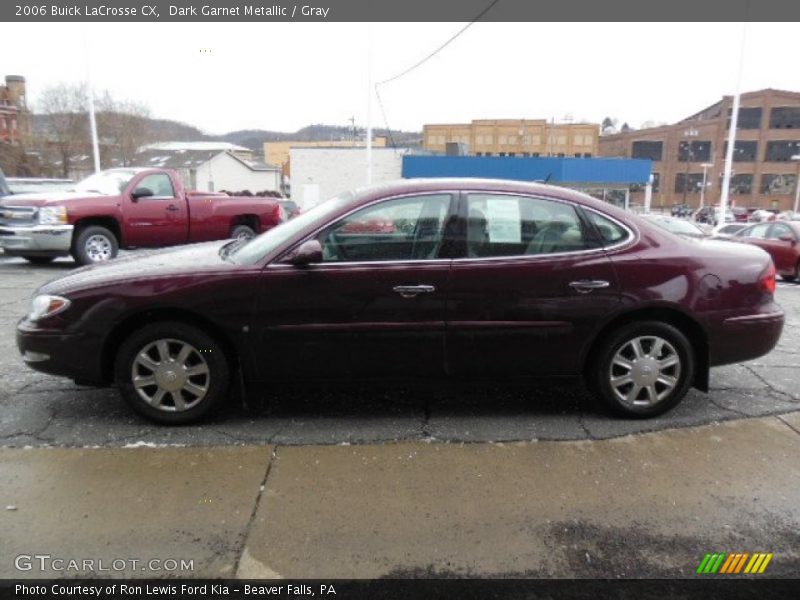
[(124, 126), (64, 108)]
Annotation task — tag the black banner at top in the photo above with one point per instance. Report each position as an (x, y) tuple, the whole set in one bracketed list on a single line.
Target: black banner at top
[(397, 10)]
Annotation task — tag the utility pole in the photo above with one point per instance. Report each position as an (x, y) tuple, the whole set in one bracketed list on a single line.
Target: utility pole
[(90, 91), (726, 180), (370, 91)]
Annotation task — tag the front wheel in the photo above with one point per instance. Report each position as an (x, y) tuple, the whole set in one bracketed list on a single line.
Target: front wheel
[(643, 370), (94, 244), (172, 373)]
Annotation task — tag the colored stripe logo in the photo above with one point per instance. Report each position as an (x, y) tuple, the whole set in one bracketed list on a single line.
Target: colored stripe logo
[(734, 563)]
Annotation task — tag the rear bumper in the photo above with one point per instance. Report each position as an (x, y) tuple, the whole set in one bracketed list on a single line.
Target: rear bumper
[(745, 337), (71, 355), (36, 239)]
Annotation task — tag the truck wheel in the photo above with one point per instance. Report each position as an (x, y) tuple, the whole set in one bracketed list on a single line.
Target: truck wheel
[(94, 244), (242, 232), (38, 260), (171, 372)]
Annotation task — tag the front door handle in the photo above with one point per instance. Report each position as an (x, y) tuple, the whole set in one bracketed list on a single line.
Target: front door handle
[(172, 208), (584, 286), (411, 291)]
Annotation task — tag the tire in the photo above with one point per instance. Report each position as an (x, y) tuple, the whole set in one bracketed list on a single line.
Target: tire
[(173, 398), (94, 244), (38, 260), (243, 232), (663, 386), (791, 278)]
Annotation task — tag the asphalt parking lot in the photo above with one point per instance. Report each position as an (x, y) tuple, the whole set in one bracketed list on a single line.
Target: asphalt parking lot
[(482, 481)]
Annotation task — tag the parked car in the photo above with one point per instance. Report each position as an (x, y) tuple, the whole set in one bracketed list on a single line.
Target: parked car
[(761, 215), (676, 225), (478, 279), (780, 241), (290, 208), (727, 230), (712, 215), (125, 208), (681, 210)]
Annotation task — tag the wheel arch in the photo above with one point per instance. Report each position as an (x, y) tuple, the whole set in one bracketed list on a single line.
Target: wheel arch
[(109, 223), (691, 328), (251, 220), (131, 323)]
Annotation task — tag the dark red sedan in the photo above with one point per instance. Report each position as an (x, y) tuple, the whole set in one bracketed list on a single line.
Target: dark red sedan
[(474, 279), (780, 240)]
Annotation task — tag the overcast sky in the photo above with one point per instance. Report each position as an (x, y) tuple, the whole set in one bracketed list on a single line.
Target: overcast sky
[(285, 76)]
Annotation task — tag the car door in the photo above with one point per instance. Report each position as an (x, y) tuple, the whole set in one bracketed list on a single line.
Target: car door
[(756, 235), (781, 243), (374, 306), (529, 290), (159, 219)]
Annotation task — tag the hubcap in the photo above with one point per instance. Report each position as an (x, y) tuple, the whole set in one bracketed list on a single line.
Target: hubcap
[(98, 248), (644, 371), (243, 236), (170, 375)]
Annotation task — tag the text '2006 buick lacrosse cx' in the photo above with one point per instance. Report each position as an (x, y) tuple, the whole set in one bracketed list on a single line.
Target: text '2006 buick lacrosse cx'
[(450, 278)]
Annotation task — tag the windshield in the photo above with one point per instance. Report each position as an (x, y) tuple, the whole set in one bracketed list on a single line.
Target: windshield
[(109, 183), (260, 246)]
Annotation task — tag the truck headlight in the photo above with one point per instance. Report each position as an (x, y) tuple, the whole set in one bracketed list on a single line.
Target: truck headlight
[(53, 215), (44, 306)]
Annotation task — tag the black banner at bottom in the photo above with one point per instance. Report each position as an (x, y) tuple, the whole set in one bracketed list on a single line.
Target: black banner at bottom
[(731, 588)]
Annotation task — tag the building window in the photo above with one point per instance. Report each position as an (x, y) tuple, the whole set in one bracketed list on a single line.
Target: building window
[(478, 140), (512, 139), (561, 140), (501, 154), (743, 151), (781, 150), (749, 118), (587, 155), (650, 150), (694, 151), (785, 117), (560, 155), (512, 153), (536, 154), (695, 183), (526, 154), (778, 184), (479, 154), (526, 140), (742, 184), (639, 187), (502, 140), (577, 155), (488, 154)]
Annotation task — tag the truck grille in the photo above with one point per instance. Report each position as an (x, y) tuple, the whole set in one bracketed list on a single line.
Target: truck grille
[(17, 216)]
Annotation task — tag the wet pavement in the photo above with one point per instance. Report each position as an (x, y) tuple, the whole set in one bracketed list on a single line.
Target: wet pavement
[(474, 481)]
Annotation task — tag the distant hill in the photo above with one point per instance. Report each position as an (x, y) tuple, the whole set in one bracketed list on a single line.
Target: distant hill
[(163, 130)]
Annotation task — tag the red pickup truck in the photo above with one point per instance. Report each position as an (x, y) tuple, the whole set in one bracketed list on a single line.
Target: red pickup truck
[(126, 208)]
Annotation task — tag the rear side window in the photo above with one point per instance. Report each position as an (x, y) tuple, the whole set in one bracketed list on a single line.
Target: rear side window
[(757, 231), (500, 225), (610, 232)]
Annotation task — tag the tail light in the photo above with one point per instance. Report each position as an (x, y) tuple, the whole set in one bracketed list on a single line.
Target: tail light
[(767, 280)]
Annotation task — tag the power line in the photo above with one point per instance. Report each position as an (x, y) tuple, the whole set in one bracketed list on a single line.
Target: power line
[(420, 63)]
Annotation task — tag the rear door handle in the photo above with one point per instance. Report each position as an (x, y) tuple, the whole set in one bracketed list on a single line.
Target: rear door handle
[(584, 286), (410, 291)]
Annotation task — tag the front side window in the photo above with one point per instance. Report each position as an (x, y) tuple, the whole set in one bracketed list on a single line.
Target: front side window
[(394, 230), (159, 184), (757, 231), (779, 230), (500, 225)]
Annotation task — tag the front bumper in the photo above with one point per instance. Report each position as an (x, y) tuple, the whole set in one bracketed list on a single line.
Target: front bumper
[(36, 239), (72, 355)]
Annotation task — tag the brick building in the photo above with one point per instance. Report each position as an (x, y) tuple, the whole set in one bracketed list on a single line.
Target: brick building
[(14, 114), (764, 174), (516, 137)]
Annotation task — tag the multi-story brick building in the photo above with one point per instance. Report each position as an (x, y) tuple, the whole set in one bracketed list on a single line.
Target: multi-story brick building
[(14, 115), (515, 137), (764, 174)]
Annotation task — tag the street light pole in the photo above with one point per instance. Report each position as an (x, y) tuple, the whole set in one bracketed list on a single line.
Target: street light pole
[(796, 158), (706, 167)]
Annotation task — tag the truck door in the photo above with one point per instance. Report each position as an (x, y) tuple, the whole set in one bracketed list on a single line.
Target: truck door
[(158, 219)]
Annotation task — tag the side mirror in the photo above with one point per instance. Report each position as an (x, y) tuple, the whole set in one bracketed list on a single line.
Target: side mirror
[(141, 192), (307, 253)]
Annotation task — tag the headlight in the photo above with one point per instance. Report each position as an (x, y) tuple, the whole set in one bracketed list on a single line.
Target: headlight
[(53, 215), (46, 306)]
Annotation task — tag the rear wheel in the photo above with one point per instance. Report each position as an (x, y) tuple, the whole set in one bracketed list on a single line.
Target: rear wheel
[(94, 244), (643, 370), (242, 233), (38, 260), (171, 372)]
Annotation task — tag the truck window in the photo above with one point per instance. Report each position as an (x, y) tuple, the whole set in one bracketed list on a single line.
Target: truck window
[(159, 184)]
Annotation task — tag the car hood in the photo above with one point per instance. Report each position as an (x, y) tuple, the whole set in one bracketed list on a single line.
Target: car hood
[(171, 262), (45, 199)]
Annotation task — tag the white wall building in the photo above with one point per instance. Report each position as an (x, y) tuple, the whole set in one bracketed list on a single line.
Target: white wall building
[(322, 173)]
